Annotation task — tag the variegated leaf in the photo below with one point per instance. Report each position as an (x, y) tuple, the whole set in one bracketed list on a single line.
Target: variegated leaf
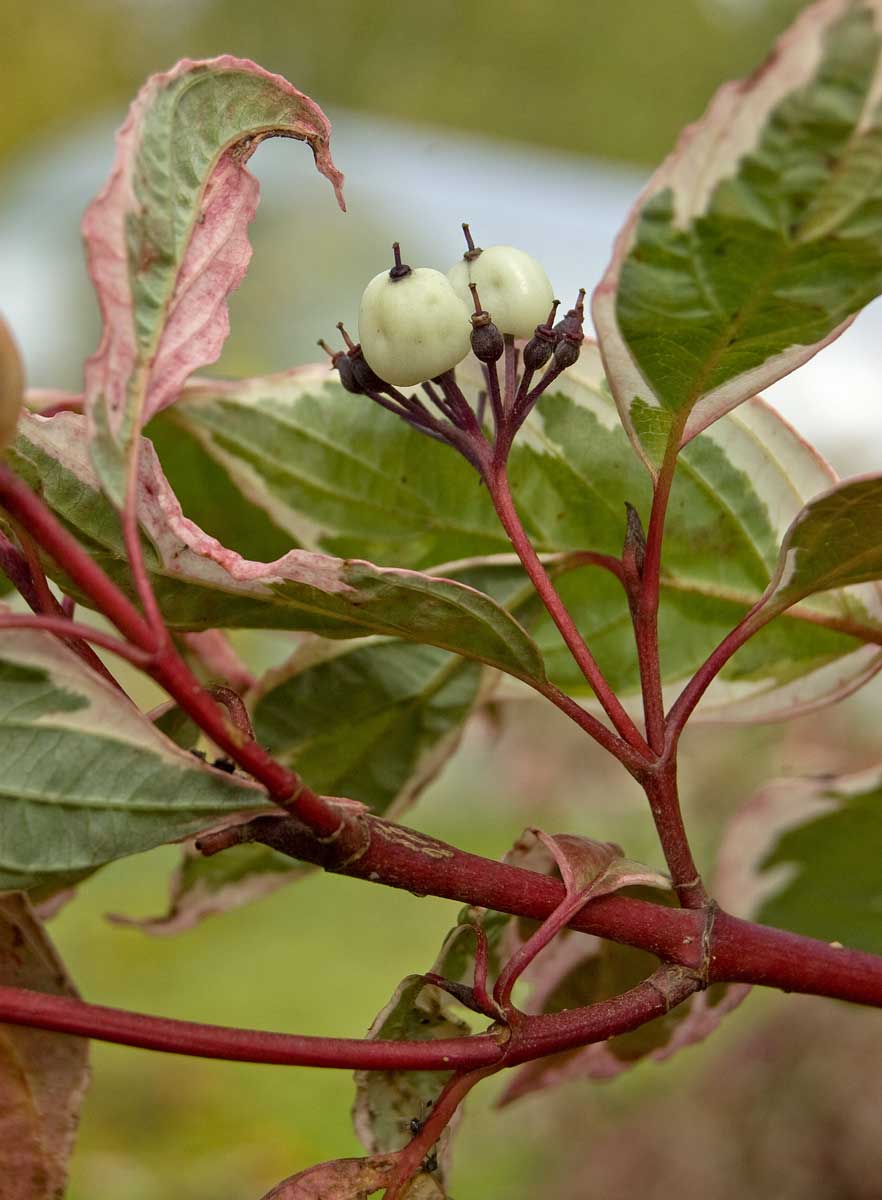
[(86, 777), (758, 239)]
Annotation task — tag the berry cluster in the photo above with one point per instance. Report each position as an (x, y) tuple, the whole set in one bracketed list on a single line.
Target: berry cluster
[(416, 326)]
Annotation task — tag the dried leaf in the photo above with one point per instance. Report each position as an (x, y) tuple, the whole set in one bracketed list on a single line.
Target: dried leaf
[(43, 1076), (342, 1179)]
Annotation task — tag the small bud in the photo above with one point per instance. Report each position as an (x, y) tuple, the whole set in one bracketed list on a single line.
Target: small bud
[(487, 342), (634, 552), (11, 386), (538, 350), (363, 377), (566, 353)]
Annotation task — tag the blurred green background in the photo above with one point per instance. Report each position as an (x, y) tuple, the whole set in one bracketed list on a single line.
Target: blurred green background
[(552, 89)]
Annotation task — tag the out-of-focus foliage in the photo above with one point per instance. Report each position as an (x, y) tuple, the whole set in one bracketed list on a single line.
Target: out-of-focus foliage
[(511, 68)]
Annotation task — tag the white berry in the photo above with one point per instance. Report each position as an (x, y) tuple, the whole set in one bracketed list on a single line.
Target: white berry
[(414, 327), (512, 285)]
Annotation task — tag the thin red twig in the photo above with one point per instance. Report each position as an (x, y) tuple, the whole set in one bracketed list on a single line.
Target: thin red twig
[(497, 484)]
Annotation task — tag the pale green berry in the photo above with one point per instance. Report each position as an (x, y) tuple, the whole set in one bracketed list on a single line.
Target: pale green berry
[(11, 386), (412, 326), (513, 286)]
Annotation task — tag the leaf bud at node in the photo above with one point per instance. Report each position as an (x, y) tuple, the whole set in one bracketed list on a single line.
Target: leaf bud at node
[(11, 386), (412, 326), (487, 341), (515, 288), (538, 350)]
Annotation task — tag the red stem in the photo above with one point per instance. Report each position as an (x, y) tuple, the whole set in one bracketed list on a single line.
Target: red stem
[(646, 612), (685, 704), (532, 1037), (135, 553), (497, 484), (71, 631), (64, 1014), (165, 665), (410, 1159), (738, 951), (664, 801), (30, 580)]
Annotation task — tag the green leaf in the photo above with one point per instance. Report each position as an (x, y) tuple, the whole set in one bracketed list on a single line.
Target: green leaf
[(87, 778), (178, 726), (43, 1076), (386, 1102), (166, 239), (205, 886), (374, 722), (202, 585), (377, 720), (803, 854), (736, 490), (332, 470), (328, 467), (835, 541), (758, 239)]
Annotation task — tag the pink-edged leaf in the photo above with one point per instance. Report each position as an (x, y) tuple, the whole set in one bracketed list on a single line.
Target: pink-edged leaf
[(166, 239), (342, 1179), (204, 887), (803, 854), (758, 239), (43, 1076), (577, 970)]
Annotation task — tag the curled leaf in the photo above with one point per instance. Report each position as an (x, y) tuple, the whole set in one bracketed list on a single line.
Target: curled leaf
[(166, 239)]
